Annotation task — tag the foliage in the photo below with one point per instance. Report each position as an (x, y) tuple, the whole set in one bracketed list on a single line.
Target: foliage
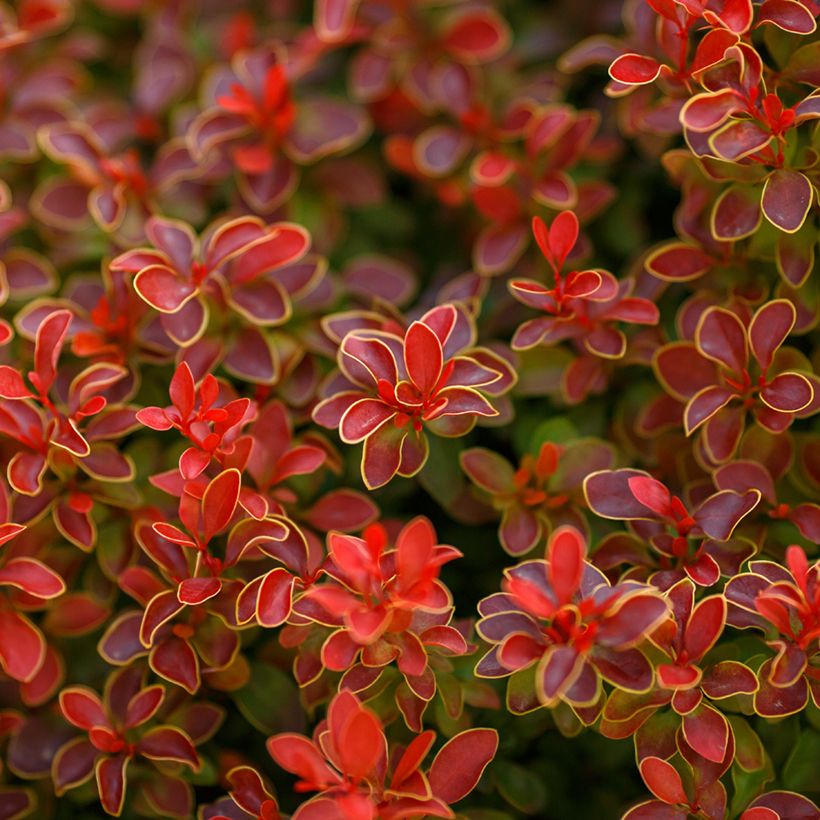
[(402, 418)]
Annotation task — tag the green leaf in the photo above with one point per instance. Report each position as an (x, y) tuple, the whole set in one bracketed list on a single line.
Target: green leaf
[(558, 430), (801, 772), (520, 787), (270, 701)]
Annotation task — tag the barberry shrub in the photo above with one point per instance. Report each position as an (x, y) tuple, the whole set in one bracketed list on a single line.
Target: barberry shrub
[(409, 409)]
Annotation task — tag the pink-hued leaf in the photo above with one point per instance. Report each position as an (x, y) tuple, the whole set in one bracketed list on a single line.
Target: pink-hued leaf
[(633, 619), (283, 244), (788, 393), (656, 810), (609, 495), (721, 337), (168, 743), (683, 371), (175, 660), (678, 262), (736, 213), (324, 127), (728, 678), (498, 247), (111, 774), (769, 328), (789, 15), (705, 112), (520, 530), (557, 671), (719, 514), (738, 139), (381, 456), (73, 764), (333, 19), (787, 197), (783, 805), (704, 405), (488, 470)]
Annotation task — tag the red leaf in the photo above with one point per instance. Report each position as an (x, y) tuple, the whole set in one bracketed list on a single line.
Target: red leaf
[(707, 732), (82, 707), (47, 347), (12, 385), (219, 502), (477, 36), (32, 576), (111, 783), (298, 755), (423, 357), (168, 743), (458, 766), (195, 591), (182, 390), (704, 627), (652, 494), (22, 646), (175, 660), (634, 69), (663, 780), (273, 603), (143, 706), (363, 418), (565, 555), (357, 735)]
